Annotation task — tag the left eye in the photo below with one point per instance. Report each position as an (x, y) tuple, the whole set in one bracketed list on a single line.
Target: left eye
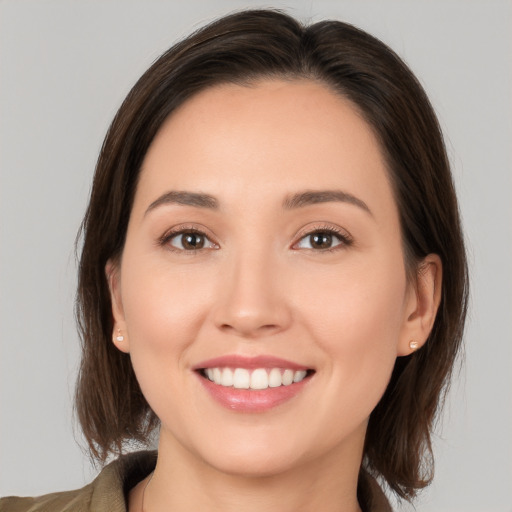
[(190, 241), (320, 240)]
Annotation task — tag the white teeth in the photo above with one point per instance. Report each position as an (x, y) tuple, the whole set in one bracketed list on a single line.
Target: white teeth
[(274, 378), (260, 378), (299, 375), (241, 379), (287, 377), (227, 377), (217, 376)]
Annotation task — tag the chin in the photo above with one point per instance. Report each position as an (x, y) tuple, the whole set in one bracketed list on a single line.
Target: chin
[(250, 453), (255, 465)]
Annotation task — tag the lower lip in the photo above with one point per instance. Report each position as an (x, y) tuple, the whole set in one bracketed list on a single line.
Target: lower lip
[(247, 400)]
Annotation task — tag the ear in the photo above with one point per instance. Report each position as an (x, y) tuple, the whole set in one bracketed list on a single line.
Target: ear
[(422, 303), (119, 334)]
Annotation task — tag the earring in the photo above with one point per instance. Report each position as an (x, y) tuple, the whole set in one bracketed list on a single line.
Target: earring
[(413, 345), (119, 336)]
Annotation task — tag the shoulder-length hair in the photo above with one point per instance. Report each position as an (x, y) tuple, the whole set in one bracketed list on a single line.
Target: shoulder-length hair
[(242, 48)]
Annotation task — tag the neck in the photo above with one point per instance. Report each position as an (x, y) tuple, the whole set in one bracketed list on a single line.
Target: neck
[(182, 482)]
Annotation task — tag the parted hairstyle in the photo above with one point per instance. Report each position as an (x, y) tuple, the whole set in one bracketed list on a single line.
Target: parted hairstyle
[(242, 48)]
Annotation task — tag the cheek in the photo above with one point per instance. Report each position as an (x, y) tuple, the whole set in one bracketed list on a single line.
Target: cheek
[(160, 299), (360, 300), (164, 311), (357, 319)]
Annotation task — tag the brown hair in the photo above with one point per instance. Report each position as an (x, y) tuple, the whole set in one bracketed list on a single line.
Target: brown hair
[(240, 48)]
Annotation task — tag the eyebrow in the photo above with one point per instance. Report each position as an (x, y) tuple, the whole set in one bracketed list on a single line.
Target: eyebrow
[(299, 200), (310, 197), (185, 198)]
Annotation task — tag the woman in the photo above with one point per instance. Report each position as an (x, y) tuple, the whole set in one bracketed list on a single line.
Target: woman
[(272, 273)]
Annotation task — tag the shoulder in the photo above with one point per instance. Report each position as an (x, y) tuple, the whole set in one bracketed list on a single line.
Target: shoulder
[(105, 494), (75, 501)]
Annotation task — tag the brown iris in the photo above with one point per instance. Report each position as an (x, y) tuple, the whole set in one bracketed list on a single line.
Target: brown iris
[(191, 241), (320, 240)]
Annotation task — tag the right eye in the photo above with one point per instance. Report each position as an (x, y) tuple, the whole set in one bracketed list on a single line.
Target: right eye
[(190, 241)]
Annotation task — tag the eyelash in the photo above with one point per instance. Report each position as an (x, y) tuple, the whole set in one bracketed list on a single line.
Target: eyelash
[(166, 238), (345, 240)]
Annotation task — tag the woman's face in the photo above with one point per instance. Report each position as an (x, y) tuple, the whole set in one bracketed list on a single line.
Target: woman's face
[(263, 245)]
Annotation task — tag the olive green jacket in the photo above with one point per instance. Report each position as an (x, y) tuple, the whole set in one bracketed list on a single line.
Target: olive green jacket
[(106, 493), (109, 491)]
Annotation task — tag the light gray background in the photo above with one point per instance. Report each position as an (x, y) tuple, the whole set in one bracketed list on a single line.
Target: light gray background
[(65, 67)]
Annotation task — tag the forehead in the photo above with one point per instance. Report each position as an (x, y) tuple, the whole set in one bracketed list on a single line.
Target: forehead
[(269, 137)]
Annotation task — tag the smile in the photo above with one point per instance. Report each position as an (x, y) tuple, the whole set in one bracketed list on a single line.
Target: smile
[(252, 384), (255, 379)]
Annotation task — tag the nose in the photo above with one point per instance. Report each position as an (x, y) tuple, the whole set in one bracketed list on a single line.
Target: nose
[(252, 302)]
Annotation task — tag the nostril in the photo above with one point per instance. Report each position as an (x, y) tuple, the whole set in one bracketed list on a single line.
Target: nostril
[(237, 316), (248, 328)]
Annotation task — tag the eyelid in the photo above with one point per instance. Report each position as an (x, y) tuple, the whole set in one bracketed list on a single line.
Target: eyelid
[(340, 233), (344, 236), (186, 228)]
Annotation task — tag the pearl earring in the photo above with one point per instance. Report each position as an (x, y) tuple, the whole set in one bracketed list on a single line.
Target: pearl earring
[(119, 336), (413, 345)]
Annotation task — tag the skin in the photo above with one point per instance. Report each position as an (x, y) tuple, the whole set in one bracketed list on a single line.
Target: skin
[(259, 287)]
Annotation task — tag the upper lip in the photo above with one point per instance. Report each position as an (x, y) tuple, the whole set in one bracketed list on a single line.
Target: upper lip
[(250, 363)]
